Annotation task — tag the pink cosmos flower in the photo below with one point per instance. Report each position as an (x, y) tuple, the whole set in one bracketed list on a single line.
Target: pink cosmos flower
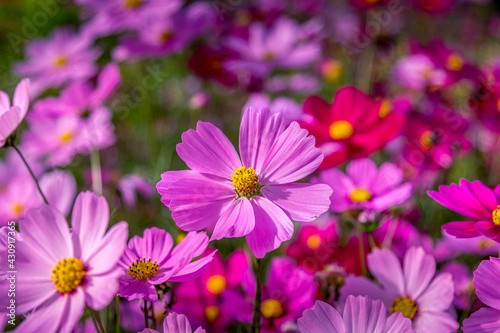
[(411, 289), (450, 247), (474, 200), (150, 260), (462, 279), (253, 196), (176, 323), (366, 187), (132, 185), (418, 72), (11, 116), (290, 110), (59, 59), (488, 291), (62, 270), (361, 315)]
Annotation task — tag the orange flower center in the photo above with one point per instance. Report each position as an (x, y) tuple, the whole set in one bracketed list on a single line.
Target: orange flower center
[(341, 130)]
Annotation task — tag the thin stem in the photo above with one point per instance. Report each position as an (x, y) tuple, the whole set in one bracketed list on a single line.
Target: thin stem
[(117, 303), (153, 316), (93, 320), (361, 252), (95, 166), (371, 240), (146, 322), (258, 296), (31, 173), (99, 321)]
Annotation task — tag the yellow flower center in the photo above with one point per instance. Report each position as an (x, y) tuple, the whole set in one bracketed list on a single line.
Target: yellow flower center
[(496, 215), (60, 61), (143, 269), (133, 3), (485, 243), (426, 139), (17, 208), (65, 137), (180, 237), (313, 242), (454, 62), (271, 308), (360, 195), (340, 130), (216, 284), (68, 274), (166, 35), (332, 70), (385, 108), (245, 181), (211, 312), (269, 56), (406, 306)]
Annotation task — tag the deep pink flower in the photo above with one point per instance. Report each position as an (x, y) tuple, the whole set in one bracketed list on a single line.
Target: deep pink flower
[(62, 270), (474, 200), (411, 289), (12, 116), (253, 197), (151, 260), (361, 314), (366, 187)]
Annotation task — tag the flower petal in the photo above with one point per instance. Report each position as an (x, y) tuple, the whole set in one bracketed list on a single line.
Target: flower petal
[(386, 268), (238, 220), (487, 282), (439, 295), (101, 289), (323, 318), (193, 270), (397, 323), (462, 229), (46, 318), (484, 320), (419, 269), (488, 229), (362, 172)]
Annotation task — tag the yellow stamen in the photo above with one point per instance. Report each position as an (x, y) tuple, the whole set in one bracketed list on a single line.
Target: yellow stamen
[(133, 3), (271, 308), (65, 137), (454, 62), (216, 284), (60, 61), (340, 130), (332, 70), (406, 306), (68, 274), (485, 243), (143, 269), (313, 242), (269, 56), (245, 181), (496, 215), (360, 195), (180, 237), (385, 108), (166, 35), (211, 312), (17, 208)]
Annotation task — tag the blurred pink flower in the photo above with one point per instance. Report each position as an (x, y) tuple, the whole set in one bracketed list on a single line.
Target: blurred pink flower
[(12, 116)]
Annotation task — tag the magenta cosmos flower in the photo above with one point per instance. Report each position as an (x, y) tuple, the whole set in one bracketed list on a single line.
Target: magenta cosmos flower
[(11, 116), (176, 323), (412, 289), (253, 196), (366, 187), (62, 270), (150, 260), (486, 282), (474, 200), (361, 315)]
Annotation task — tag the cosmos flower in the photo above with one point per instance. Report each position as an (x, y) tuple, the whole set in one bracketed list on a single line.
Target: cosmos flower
[(12, 116), (355, 125), (474, 200), (151, 260), (366, 187), (253, 196), (412, 289), (418, 72), (61, 58), (488, 291), (290, 110), (176, 323), (361, 314), (62, 270)]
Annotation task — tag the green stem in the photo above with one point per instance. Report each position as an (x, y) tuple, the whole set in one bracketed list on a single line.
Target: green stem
[(99, 321), (95, 166), (153, 316), (94, 321), (361, 253), (258, 296), (146, 322), (372, 240), (31, 173), (117, 326)]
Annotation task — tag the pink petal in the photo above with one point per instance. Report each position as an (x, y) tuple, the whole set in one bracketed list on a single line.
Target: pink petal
[(167, 178), (272, 227), (488, 229), (439, 295), (397, 323), (138, 289), (484, 320), (75, 306), (362, 172), (108, 80), (4, 102), (419, 269), (208, 150), (362, 314), (342, 187), (394, 197), (301, 202), (362, 286), (487, 282), (31, 294), (435, 322), (46, 318), (323, 318), (462, 229), (193, 245), (101, 289), (176, 323), (21, 98), (389, 175), (386, 268), (193, 270), (9, 122), (59, 188), (259, 129), (238, 220)]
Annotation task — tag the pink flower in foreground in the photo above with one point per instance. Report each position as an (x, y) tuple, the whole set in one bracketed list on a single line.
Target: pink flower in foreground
[(176, 323), (366, 187), (411, 289), (253, 196), (150, 260), (474, 200), (361, 314), (11, 116), (62, 270)]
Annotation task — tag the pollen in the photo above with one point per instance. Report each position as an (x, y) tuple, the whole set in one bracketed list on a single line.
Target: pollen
[(216, 284), (496, 215), (245, 181), (65, 137), (211, 312), (385, 108), (17, 208), (269, 56), (360, 195), (313, 242), (166, 36), (405, 305), (143, 269), (340, 130), (133, 3), (271, 308), (60, 61), (68, 274), (180, 237), (454, 62)]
